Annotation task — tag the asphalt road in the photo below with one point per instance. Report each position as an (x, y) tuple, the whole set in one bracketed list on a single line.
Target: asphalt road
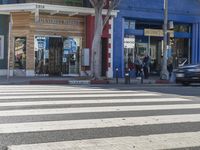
[(106, 117)]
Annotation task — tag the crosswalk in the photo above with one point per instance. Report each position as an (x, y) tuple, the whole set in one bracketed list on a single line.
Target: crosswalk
[(89, 118)]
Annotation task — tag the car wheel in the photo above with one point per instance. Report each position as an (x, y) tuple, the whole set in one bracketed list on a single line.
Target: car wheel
[(186, 83)]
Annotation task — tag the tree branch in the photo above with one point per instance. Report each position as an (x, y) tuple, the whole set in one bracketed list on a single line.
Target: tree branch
[(113, 4), (93, 3)]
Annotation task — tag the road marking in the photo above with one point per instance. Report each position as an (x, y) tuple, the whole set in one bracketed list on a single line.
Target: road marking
[(153, 142), (66, 102), (96, 123), (68, 92), (5, 90), (77, 96), (29, 112)]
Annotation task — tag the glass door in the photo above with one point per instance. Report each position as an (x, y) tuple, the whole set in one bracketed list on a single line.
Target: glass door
[(41, 56), (55, 56), (71, 55)]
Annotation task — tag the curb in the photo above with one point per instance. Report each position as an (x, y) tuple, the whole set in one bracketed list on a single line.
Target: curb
[(99, 82), (163, 82), (85, 82), (48, 82)]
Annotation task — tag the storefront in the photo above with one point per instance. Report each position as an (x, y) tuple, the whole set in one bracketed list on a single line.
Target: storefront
[(143, 25), (151, 42), (52, 40), (51, 46)]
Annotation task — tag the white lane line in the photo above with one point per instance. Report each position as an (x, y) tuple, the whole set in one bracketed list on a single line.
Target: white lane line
[(96, 123), (78, 96), (150, 142), (29, 112), (36, 103), (67, 92)]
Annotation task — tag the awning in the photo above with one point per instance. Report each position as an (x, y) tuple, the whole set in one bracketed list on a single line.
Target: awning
[(51, 9)]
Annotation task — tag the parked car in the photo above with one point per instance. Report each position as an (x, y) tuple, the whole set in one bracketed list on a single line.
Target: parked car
[(188, 74)]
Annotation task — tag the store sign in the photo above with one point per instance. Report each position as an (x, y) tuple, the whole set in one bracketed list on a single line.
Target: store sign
[(156, 32), (129, 42), (40, 43), (72, 22), (40, 6)]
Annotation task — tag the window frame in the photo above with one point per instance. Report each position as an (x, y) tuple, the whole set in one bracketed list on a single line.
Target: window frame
[(2, 47)]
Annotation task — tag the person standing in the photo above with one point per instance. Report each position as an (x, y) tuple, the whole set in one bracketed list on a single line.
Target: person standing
[(146, 64), (170, 67), (138, 65)]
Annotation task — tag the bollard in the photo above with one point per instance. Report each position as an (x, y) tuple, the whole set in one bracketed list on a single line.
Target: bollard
[(127, 77), (117, 76), (142, 75)]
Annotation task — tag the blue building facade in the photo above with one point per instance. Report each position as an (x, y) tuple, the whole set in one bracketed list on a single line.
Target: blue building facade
[(138, 29)]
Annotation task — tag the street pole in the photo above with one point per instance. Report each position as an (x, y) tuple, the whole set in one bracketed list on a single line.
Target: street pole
[(164, 72)]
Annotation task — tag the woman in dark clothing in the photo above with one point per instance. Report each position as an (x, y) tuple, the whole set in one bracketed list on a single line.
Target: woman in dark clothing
[(146, 63), (170, 67)]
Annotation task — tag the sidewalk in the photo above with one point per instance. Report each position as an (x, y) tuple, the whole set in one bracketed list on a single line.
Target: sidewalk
[(75, 81)]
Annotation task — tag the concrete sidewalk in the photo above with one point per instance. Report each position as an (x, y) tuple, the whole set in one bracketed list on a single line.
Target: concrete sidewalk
[(75, 81)]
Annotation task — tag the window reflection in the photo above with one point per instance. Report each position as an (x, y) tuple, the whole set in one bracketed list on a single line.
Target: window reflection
[(20, 53)]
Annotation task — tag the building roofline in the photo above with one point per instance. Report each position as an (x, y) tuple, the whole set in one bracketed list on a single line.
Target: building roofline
[(52, 9)]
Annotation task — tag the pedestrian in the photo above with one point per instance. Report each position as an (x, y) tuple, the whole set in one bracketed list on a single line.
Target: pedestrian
[(146, 64), (138, 65), (170, 67)]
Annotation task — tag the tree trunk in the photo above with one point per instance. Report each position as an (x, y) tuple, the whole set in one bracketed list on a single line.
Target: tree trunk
[(96, 45)]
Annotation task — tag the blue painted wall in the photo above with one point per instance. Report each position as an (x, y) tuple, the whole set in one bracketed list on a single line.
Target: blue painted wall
[(180, 11), (4, 31)]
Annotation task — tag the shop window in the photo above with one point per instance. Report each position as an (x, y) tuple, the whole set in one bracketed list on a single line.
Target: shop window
[(1, 47), (20, 53), (182, 51), (129, 24), (129, 51), (182, 28)]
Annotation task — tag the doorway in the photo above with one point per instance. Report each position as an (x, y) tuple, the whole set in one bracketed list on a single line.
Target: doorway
[(104, 62), (55, 56)]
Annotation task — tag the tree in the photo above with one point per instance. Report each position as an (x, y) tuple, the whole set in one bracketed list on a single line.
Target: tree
[(100, 22)]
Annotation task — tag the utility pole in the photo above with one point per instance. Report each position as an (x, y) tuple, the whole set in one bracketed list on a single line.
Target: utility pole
[(164, 72)]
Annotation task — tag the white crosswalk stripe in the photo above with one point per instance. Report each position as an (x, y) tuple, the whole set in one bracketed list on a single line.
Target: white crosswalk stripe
[(35, 103), (78, 96), (22, 98), (29, 112), (151, 142), (95, 123), (66, 92)]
